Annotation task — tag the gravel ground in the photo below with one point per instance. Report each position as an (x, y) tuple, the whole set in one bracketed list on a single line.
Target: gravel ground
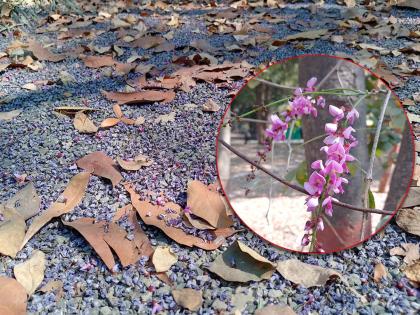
[(34, 141)]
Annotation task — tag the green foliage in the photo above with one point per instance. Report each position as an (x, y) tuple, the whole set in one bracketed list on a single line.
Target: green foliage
[(371, 200), (302, 173)]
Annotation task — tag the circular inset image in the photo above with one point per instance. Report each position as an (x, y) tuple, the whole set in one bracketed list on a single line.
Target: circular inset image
[(315, 154)]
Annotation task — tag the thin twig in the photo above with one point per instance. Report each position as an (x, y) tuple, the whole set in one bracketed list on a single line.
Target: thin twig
[(321, 83), (368, 179), (296, 187), (275, 84)]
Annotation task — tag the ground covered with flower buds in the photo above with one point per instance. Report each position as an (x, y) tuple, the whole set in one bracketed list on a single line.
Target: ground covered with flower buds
[(158, 149)]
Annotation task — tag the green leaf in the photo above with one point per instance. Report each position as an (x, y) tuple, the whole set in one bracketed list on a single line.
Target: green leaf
[(302, 173), (352, 168), (371, 200)]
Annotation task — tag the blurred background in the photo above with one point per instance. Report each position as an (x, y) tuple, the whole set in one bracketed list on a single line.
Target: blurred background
[(253, 198)]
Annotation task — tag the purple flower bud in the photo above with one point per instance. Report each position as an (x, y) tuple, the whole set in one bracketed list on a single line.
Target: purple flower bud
[(352, 116), (330, 128), (320, 102), (336, 112), (305, 240)]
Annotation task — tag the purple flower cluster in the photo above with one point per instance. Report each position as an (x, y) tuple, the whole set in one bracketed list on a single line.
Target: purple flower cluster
[(327, 178), (300, 105)]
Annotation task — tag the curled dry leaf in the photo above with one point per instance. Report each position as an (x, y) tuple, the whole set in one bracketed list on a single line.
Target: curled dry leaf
[(98, 61), (70, 198), (275, 310), (93, 232), (210, 106), (83, 124), (26, 201), (240, 263), (13, 297), (125, 249), (151, 214), (55, 286), (109, 122), (10, 115), (188, 298), (31, 272), (305, 274), (409, 220), (136, 163), (207, 205), (43, 54), (410, 252), (140, 97), (379, 272), (100, 164), (72, 110), (163, 258), (117, 111), (12, 231)]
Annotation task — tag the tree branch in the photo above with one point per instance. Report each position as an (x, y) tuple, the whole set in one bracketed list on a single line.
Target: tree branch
[(296, 187), (275, 84)]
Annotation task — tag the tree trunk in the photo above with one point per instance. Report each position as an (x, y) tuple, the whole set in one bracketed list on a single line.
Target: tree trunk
[(346, 222), (403, 171)]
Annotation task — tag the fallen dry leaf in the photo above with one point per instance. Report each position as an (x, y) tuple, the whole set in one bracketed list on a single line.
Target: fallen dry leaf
[(412, 272), (136, 163), (30, 87), (98, 61), (379, 272), (207, 205), (413, 197), (70, 198), (109, 122), (10, 115), (275, 310), (406, 3), (410, 252), (163, 258), (165, 118), (409, 220), (83, 124), (31, 272), (140, 97), (305, 274), (98, 163), (188, 298), (139, 121), (12, 231), (13, 297), (117, 111), (125, 249), (150, 214), (240, 263), (92, 232), (210, 106), (122, 212), (55, 286), (72, 110), (43, 54), (26, 201), (140, 238)]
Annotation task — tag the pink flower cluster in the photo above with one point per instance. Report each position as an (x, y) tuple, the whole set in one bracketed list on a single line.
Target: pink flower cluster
[(327, 178), (300, 105)]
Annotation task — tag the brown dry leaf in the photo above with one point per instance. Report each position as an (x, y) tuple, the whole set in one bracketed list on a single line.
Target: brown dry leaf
[(147, 42), (125, 249), (92, 231), (13, 297), (139, 121), (140, 97), (163, 258), (240, 263), (379, 272), (30, 87), (124, 68), (55, 286), (12, 231), (275, 310), (26, 201), (140, 238), (43, 54), (101, 165), (307, 35), (383, 71), (6, 116), (305, 274), (210, 106), (109, 122), (72, 110), (98, 61), (410, 252), (136, 163), (122, 212), (409, 220), (207, 205), (117, 111), (70, 198), (412, 272), (188, 298), (198, 223), (406, 3), (149, 213), (413, 197), (83, 124), (165, 118), (31, 272)]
